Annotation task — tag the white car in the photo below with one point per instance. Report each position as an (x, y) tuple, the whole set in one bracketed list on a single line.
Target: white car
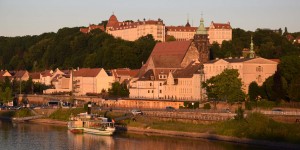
[(136, 112)]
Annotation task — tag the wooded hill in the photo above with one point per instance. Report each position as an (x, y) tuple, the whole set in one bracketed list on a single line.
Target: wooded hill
[(70, 48)]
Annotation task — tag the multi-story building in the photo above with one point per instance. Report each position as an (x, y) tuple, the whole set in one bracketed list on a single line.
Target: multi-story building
[(172, 70), (181, 33), (219, 32), (132, 30), (87, 80), (250, 69)]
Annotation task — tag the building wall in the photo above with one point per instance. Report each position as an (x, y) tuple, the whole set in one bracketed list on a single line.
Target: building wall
[(187, 89), (181, 35), (219, 35), (192, 54), (104, 81), (147, 90), (84, 85), (133, 33), (258, 70)]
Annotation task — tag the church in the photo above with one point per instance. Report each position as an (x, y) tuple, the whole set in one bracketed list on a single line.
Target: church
[(173, 70)]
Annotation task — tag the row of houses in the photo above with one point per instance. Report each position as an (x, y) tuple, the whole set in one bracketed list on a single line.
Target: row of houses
[(80, 81)]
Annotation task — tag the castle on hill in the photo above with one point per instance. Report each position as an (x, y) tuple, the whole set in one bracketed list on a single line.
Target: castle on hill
[(132, 30)]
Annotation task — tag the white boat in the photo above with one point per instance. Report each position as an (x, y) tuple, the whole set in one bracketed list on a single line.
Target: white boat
[(92, 124)]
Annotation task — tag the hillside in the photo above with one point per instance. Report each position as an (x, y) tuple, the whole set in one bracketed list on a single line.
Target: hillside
[(71, 48)]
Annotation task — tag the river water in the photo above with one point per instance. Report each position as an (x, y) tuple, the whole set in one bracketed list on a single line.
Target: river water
[(24, 136)]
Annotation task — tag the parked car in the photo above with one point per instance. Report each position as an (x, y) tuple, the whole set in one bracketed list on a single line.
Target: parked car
[(170, 108), (136, 112)]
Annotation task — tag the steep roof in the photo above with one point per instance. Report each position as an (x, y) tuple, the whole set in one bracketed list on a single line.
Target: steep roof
[(112, 21), (46, 73), (169, 54), (20, 74), (35, 75), (189, 71), (125, 72), (221, 25), (87, 72)]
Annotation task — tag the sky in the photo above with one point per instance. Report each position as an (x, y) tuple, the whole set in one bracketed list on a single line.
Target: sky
[(34, 17)]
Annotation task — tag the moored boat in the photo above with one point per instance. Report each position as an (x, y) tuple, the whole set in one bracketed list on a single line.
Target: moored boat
[(92, 124)]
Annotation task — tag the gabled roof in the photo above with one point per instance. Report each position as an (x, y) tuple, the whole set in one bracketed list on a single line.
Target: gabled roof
[(46, 73), (260, 60), (147, 75), (169, 54), (20, 73), (189, 71), (246, 60), (2, 73), (125, 72), (87, 72)]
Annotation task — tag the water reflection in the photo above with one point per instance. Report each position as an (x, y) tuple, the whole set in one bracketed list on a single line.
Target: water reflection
[(22, 136), (89, 141)]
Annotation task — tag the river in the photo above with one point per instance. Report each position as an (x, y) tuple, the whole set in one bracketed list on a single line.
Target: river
[(25, 136)]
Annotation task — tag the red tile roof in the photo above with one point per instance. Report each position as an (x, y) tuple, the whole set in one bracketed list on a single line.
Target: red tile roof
[(276, 60), (35, 75), (221, 25), (125, 72), (46, 73), (87, 72), (181, 28), (112, 21), (129, 25), (169, 54), (20, 74), (84, 30), (92, 27)]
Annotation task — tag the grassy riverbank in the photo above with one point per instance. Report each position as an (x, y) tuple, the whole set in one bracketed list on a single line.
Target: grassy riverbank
[(19, 113), (255, 126)]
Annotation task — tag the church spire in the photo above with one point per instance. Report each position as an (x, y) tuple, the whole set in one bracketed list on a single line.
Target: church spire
[(201, 29), (252, 52)]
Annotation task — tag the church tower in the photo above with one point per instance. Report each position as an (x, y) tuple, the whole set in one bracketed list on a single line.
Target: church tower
[(202, 42), (252, 52)]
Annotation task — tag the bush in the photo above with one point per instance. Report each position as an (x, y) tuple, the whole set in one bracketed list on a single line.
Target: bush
[(248, 105), (23, 113), (64, 114), (207, 106), (239, 114)]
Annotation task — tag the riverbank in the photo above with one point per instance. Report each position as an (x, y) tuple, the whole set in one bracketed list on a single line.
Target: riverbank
[(49, 121), (256, 129), (207, 136), (215, 137)]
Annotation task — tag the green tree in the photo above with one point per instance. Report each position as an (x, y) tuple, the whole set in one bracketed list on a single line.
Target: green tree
[(253, 91), (294, 89), (170, 38), (289, 67), (225, 86), (6, 96), (118, 90)]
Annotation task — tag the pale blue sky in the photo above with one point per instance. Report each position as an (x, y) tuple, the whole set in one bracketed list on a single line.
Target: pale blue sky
[(33, 17)]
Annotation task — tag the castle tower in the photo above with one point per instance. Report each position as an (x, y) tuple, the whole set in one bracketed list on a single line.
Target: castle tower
[(202, 42), (252, 52)]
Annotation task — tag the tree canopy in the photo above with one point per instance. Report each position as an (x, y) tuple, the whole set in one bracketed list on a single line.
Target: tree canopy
[(225, 87), (71, 48)]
